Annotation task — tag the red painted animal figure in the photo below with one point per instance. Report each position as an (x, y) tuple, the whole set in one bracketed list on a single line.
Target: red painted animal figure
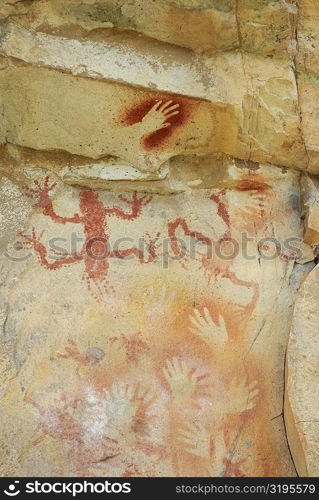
[(57, 421), (93, 217), (63, 421)]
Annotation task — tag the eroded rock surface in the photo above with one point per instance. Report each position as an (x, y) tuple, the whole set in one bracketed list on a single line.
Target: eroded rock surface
[(159, 219), (302, 377), (173, 299), (249, 105)]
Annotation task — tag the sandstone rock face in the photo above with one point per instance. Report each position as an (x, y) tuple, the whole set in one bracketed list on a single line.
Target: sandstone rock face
[(301, 405), (310, 187), (307, 72), (159, 303), (158, 215), (238, 113), (261, 26)]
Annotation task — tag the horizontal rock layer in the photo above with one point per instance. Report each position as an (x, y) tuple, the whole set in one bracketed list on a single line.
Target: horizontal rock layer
[(260, 79), (302, 368), (258, 26), (240, 113), (217, 103)]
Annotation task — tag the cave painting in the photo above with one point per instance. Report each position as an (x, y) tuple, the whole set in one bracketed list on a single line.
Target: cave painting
[(92, 217), (151, 130), (156, 120), (157, 160), (174, 388), (95, 254), (166, 423), (215, 268)]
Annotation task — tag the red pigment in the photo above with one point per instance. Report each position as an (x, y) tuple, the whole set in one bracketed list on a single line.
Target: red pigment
[(136, 114), (252, 185), (93, 219)]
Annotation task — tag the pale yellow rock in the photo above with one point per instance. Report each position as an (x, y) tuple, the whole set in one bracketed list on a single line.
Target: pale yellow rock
[(270, 113), (267, 26), (307, 64), (182, 173), (258, 26), (178, 71), (308, 37), (301, 401), (90, 333), (249, 117), (311, 210), (312, 231), (159, 232), (199, 25), (309, 105), (112, 119), (14, 210)]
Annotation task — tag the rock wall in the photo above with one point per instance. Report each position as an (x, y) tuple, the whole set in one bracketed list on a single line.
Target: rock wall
[(158, 216), (301, 406)]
